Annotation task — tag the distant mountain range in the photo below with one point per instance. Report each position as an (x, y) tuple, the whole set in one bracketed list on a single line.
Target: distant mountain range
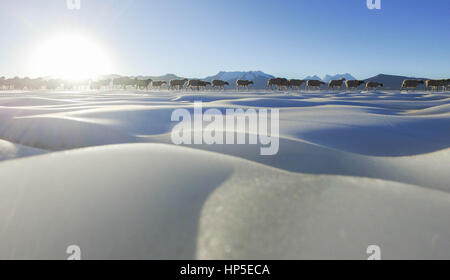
[(260, 78), (315, 77), (328, 78)]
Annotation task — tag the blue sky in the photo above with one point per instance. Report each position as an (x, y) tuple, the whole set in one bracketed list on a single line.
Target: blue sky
[(199, 38)]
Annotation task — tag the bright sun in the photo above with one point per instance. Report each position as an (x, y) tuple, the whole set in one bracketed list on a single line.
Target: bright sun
[(72, 57)]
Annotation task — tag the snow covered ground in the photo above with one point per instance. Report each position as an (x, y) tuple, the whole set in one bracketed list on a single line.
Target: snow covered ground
[(98, 170)]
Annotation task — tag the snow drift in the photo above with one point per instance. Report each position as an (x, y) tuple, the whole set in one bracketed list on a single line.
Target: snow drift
[(97, 169)]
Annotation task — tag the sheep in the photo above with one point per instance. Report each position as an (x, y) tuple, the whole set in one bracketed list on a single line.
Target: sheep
[(336, 83), (353, 84), (433, 84), (219, 84), (36, 84), (97, 85), (158, 84), (272, 82), (198, 84), (68, 85), (444, 84), (143, 84), (124, 82), (193, 84), (279, 83), (8, 83), (177, 83), (411, 84), (117, 82), (296, 83), (204, 84), (20, 84), (436, 84), (373, 85), (53, 84), (314, 84), (283, 83), (243, 83)]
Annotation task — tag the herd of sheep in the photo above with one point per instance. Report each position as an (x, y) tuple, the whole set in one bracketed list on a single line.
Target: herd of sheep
[(196, 84), (282, 83)]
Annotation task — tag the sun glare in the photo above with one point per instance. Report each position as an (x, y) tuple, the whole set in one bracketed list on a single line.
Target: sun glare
[(72, 57)]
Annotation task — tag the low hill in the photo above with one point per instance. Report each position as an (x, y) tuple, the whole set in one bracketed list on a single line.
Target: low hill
[(392, 81)]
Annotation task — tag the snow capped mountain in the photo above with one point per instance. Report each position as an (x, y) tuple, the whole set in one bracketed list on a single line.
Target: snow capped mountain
[(327, 78), (235, 75), (346, 76), (315, 77)]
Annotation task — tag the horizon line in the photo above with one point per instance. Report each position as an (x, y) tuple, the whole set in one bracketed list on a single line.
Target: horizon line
[(208, 76)]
